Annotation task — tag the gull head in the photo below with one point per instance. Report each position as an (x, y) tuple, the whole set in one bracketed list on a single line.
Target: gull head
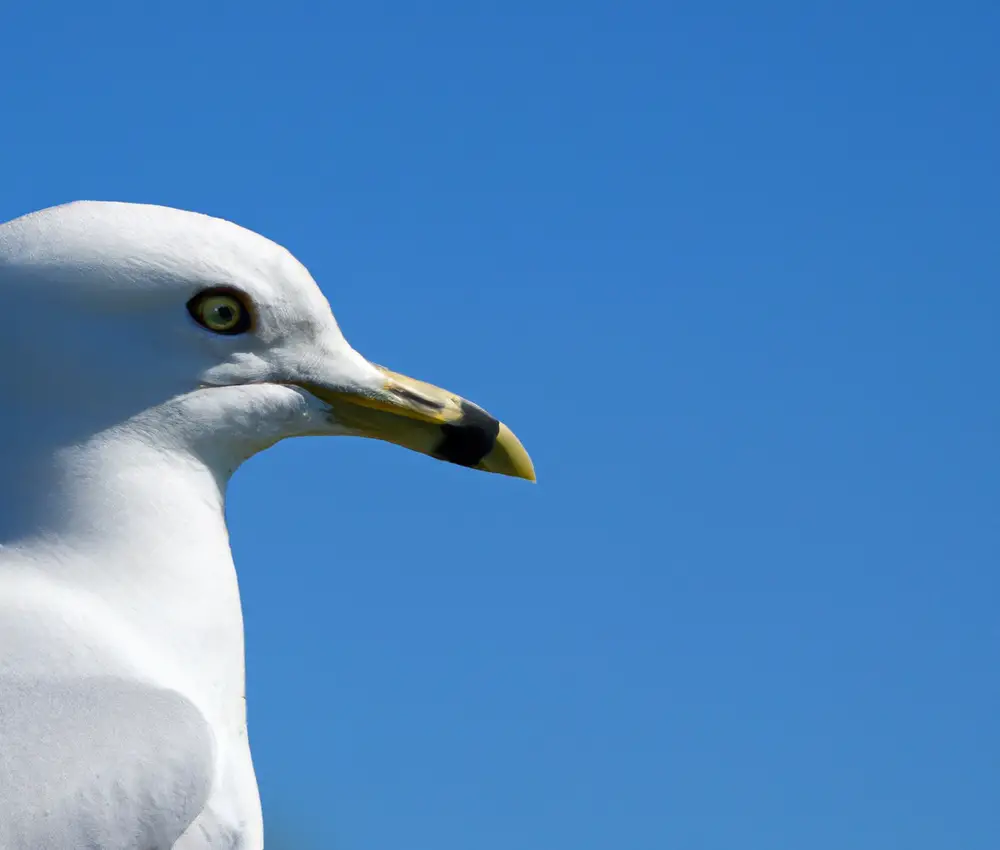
[(207, 337)]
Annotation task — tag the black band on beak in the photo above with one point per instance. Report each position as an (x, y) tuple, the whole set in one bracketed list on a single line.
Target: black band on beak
[(469, 440)]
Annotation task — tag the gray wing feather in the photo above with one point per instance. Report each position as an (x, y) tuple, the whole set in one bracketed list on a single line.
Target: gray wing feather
[(92, 757), (99, 763)]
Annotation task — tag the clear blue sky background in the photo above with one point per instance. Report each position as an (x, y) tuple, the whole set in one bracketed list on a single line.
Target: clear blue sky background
[(730, 270)]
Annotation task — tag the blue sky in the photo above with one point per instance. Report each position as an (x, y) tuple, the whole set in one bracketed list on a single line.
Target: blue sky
[(730, 272)]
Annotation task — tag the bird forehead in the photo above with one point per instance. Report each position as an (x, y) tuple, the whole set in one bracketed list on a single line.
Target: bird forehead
[(120, 251), (128, 238)]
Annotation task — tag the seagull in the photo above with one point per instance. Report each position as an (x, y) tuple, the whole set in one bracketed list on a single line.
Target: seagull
[(148, 352)]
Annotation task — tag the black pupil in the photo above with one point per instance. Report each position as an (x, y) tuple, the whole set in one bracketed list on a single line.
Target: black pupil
[(225, 313)]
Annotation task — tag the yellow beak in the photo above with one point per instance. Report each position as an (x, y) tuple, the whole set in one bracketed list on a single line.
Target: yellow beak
[(429, 420)]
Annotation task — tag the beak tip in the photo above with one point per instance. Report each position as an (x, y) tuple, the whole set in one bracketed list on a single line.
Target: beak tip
[(509, 457)]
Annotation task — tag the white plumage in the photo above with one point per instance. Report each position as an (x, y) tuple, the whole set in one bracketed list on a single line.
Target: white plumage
[(122, 715)]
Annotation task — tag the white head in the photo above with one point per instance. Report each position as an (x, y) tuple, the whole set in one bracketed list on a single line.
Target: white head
[(214, 336)]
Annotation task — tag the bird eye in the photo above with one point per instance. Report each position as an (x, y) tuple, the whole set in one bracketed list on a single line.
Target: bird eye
[(220, 310)]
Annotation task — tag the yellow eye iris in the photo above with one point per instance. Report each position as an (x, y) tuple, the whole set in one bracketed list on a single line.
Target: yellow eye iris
[(222, 312)]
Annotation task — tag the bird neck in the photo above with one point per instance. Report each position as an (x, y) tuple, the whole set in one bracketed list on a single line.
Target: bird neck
[(142, 527)]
